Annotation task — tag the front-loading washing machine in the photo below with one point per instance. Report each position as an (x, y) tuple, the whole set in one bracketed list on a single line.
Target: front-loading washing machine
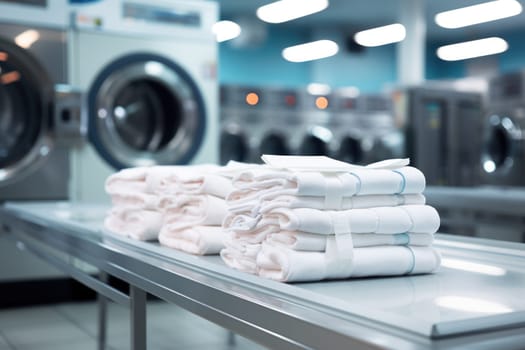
[(148, 69), (503, 155), (280, 116), (316, 114), (241, 120), (39, 120), (346, 127), (39, 115)]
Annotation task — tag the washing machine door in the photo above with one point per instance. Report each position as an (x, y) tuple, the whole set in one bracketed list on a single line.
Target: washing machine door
[(233, 146), (501, 146), (350, 150), (274, 143), (145, 109), (26, 100), (316, 142)]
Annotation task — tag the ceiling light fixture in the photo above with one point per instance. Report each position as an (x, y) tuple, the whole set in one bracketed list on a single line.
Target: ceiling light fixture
[(481, 13), (384, 35), (310, 51), (226, 30), (287, 10), (471, 49)]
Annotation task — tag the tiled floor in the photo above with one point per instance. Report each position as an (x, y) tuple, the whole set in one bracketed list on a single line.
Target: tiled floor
[(74, 326)]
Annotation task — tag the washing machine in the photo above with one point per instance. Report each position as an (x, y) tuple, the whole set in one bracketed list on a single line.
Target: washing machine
[(383, 139), (346, 128), (503, 156), (40, 119), (316, 114), (280, 116), (241, 119), (39, 114), (148, 69)]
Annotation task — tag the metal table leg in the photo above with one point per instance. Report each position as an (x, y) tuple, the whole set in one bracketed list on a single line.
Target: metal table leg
[(137, 318)]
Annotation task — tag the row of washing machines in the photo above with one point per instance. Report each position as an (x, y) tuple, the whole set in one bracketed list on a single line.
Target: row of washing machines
[(351, 127), (456, 138), (88, 87)]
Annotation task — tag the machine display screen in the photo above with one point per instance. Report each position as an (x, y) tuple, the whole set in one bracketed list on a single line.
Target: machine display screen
[(161, 15), (40, 3)]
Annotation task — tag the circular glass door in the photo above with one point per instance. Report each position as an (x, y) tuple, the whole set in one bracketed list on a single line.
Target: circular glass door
[(350, 150), (233, 146), (26, 97), (500, 144), (274, 143), (145, 110), (313, 146)]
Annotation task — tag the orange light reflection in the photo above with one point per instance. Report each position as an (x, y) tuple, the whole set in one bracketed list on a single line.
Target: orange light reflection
[(10, 77), (321, 102), (252, 98)]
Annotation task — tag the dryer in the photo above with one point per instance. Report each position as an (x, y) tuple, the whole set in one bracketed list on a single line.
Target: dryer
[(149, 72), (37, 111), (503, 154)]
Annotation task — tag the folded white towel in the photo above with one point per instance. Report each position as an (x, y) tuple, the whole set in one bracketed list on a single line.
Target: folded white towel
[(270, 183), (197, 239), (127, 180), (138, 200), (355, 202), (240, 256), (381, 220), (400, 219), (188, 210), (138, 179), (317, 243), (196, 180), (290, 265), (143, 225)]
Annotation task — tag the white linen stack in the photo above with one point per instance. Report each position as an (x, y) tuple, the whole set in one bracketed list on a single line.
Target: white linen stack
[(135, 212), (194, 208), (304, 225), (180, 206)]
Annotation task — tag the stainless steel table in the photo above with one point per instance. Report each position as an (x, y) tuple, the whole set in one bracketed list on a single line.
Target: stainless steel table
[(476, 300)]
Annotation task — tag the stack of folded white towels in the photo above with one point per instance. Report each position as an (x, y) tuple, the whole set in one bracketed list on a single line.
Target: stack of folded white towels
[(307, 225), (181, 206)]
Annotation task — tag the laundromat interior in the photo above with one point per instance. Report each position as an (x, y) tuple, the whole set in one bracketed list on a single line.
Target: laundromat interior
[(292, 174)]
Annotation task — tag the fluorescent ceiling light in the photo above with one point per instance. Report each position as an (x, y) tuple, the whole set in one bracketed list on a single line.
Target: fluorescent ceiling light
[(471, 49), (389, 34), (310, 51), (318, 89), (287, 10), (226, 30), (486, 12)]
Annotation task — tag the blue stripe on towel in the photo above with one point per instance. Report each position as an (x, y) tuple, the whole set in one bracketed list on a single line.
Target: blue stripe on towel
[(403, 182), (401, 239), (358, 187), (413, 264)]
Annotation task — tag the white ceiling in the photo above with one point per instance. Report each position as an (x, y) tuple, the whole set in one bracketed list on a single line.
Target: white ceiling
[(355, 15)]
